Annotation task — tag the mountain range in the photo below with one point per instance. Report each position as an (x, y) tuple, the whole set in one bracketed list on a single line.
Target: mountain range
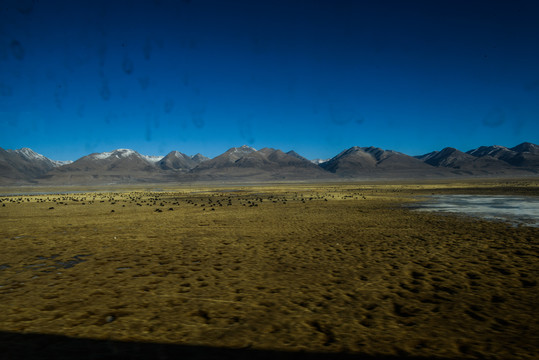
[(121, 166)]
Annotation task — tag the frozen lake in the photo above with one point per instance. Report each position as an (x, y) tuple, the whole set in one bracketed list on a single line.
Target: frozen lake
[(515, 209)]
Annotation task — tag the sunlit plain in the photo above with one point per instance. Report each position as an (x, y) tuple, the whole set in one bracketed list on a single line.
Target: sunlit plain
[(295, 267)]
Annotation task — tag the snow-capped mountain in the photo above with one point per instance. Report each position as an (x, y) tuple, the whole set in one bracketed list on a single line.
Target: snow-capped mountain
[(116, 160), (124, 153), (24, 166), (117, 166), (29, 154), (118, 154), (236, 153), (243, 148)]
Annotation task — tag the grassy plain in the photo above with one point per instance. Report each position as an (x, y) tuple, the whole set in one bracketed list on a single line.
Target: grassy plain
[(326, 268)]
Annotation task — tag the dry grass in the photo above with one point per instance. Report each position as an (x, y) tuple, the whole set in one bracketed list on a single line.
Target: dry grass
[(336, 268)]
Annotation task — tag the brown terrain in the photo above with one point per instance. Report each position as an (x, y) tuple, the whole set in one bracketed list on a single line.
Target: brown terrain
[(267, 271)]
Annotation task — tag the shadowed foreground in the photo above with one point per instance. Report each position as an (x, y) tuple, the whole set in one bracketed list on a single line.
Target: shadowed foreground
[(274, 271), (15, 346)]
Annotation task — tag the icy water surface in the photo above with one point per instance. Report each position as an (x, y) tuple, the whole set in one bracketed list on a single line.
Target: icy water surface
[(515, 209)]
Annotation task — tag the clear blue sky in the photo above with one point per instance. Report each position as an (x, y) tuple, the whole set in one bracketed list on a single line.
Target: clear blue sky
[(78, 77)]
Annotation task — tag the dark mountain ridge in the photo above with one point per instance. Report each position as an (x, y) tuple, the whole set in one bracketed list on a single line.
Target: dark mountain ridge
[(179, 161), (456, 159), (487, 160), (522, 155), (358, 161), (267, 163)]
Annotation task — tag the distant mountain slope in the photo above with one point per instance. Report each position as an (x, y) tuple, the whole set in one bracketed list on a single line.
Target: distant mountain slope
[(117, 160), (199, 158), (10, 168), (448, 157), (527, 155), (522, 155), (295, 154), (495, 152), (456, 159), (361, 161), (23, 165), (527, 147), (493, 160), (121, 165), (179, 161), (229, 157), (267, 163)]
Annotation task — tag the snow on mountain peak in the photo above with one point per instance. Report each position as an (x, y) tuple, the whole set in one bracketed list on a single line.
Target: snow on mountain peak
[(319, 161), (152, 158), (101, 156), (118, 153), (30, 154), (245, 149), (62, 162), (124, 152)]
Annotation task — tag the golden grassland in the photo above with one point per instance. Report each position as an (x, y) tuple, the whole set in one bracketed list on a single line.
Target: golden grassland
[(295, 267)]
